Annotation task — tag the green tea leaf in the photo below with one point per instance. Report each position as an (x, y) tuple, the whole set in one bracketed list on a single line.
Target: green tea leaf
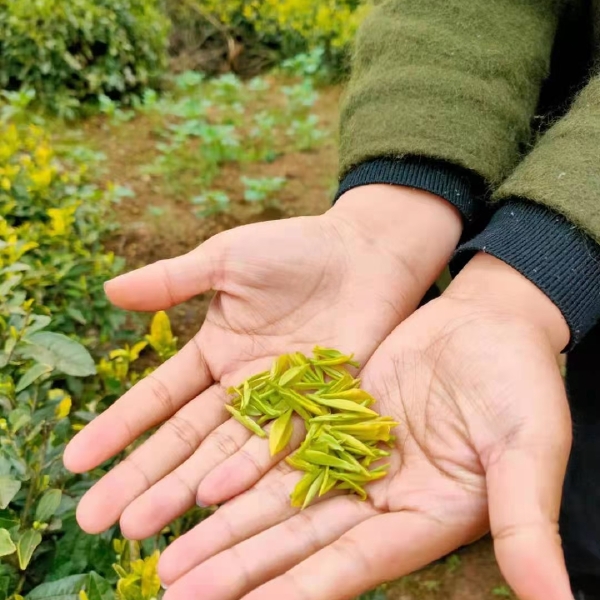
[(327, 460), (7, 546), (314, 488), (355, 395), (281, 433), (59, 352), (292, 375), (67, 588), (31, 375), (28, 542), (344, 405), (98, 588), (9, 488), (298, 496), (351, 485), (48, 505), (246, 422)]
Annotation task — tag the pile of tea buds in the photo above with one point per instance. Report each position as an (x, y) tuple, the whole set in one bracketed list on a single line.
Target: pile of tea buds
[(343, 434)]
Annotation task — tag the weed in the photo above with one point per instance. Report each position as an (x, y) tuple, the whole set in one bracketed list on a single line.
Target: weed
[(213, 202), (261, 191)]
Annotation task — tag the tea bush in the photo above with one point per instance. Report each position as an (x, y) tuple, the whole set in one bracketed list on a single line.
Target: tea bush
[(52, 266), (72, 52), (282, 28)]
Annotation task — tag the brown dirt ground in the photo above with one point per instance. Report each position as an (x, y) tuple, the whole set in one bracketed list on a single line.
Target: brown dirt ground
[(143, 238)]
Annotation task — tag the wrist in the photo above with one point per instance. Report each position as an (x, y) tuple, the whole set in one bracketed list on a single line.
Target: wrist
[(420, 228), (497, 286)]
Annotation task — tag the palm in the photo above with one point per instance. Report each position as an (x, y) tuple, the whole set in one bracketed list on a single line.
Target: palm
[(471, 426), (281, 287), (295, 284)]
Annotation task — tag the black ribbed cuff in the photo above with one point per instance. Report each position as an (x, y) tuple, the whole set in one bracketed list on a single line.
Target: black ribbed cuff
[(551, 252), (457, 185)]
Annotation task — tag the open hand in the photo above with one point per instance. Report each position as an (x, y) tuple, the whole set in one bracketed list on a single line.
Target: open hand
[(344, 280), (483, 444)]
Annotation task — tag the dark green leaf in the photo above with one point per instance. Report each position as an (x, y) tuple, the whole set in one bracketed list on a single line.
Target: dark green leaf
[(60, 352)]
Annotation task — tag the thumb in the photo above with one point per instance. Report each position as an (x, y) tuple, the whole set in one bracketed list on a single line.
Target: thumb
[(169, 282), (524, 483)]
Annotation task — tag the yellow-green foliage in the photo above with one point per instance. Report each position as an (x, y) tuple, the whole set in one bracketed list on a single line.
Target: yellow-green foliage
[(52, 266), (51, 223), (332, 22)]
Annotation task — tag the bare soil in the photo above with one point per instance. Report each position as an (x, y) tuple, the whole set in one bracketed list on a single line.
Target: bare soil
[(143, 238)]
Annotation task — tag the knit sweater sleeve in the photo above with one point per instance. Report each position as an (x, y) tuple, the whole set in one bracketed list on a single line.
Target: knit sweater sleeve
[(547, 225), (453, 83)]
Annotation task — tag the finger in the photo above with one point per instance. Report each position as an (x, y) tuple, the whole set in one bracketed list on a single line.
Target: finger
[(380, 549), (175, 492), (170, 446), (244, 517), (524, 480), (169, 282), (239, 569), (245, 468), (150, 402)]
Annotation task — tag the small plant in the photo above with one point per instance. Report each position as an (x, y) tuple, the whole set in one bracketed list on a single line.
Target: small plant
[(213, 202), (188, 80), (300, 96), (502, 592), (305, 133), (307, 64), (260, 191)]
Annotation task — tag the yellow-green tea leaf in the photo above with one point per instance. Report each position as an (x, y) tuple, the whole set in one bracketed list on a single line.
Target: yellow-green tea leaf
[(246, 421), (314, 488), (299, 464), (298, 496), (279, 366), (351, 485), (281, 433), (326, 460), (344, 405), (245, 396), (353, 395)]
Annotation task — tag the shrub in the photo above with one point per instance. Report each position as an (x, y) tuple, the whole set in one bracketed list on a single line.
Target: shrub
[(72, 52), (283, 28), (52, 220), (52, 266)]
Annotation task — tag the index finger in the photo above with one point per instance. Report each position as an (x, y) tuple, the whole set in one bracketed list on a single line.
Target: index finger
[(147, 404)]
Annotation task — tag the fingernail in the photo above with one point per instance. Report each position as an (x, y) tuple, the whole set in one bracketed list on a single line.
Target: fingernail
[(200, 504), (163, 586)]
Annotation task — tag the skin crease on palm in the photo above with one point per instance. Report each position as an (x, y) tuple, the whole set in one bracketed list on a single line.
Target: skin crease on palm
[(484, 420)]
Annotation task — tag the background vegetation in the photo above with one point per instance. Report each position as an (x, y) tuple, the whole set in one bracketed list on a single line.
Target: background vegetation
[(205, 113)]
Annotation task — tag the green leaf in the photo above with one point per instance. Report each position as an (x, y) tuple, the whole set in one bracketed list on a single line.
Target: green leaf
[(6, 544), (59, 352), (281, 433), (8, 520), (63, 589), (98, 588), (26, 546), (48, 505), (9, 488), (31, 375)]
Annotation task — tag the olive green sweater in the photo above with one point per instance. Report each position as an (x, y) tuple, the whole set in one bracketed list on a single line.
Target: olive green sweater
[(503, 93)]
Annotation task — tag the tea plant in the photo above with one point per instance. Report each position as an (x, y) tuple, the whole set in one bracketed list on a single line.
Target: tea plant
[(47, 46)]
